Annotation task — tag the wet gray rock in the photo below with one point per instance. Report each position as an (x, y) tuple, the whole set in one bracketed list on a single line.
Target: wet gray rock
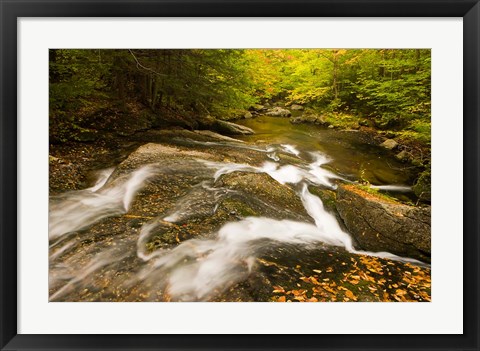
[(265, 195), (216, 136), (229, 128), (224, 127), (312, 119), (257, 107), (279, 112), (402, 156), (389, 144), (296, 107), (378, 224)]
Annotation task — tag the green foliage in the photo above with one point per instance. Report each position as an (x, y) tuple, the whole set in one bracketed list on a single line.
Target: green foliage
[(75, 75), (342, 120), (388, 88)]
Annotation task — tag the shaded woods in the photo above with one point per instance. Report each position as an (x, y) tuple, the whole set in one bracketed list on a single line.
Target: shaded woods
[(386, 89)]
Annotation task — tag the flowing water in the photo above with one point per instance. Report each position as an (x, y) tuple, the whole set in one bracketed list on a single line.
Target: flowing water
[(99, 252)]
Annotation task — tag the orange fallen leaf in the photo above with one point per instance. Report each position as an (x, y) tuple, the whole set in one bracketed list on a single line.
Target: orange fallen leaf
[(278, 289), (298, 292), (350, 295)]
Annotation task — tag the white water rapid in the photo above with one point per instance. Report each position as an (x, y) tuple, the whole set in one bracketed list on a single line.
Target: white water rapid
[(195, 269)]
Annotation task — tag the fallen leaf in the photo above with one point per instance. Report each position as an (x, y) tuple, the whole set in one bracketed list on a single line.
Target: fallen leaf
[(350, 295), (278, 289)]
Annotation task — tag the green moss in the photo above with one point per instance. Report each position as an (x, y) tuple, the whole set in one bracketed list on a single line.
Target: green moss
[(238, 208), (377, 193), (328, 197), (422, 187), (342, 120)]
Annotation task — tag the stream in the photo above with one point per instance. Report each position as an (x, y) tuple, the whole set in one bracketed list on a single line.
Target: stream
[(189, 219)]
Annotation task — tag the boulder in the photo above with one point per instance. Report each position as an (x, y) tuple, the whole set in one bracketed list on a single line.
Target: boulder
[(247, 115), (308, 119), (257, 107), (296, 107), (423, 187), (278, 112), (389, 144), (229, 128), (380, 224), (216, 136), (224, 127), (402, 156), (296, 120), (265, 195)]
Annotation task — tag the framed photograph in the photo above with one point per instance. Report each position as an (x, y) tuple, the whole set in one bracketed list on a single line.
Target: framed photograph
[(209, 160)]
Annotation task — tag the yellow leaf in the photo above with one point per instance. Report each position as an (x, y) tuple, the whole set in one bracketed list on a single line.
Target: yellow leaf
[(350, 295), (278, 289), (299, 292), (397, 298)]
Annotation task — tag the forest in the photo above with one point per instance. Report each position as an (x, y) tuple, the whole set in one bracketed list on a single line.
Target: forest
[(388, 89), (240, 174)]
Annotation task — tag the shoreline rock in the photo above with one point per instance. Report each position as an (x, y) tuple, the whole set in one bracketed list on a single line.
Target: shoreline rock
[(378, 224), (278, 112)]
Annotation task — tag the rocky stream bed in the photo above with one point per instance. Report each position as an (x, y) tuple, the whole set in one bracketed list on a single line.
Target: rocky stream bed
[(179, 215)]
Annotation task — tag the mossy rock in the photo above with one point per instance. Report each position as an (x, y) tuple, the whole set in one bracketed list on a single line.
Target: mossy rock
[(380, 224), (328, 197), (282, 200), (423, 186)]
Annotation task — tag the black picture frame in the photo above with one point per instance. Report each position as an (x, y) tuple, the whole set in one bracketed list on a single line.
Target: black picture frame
[(11, 10)]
